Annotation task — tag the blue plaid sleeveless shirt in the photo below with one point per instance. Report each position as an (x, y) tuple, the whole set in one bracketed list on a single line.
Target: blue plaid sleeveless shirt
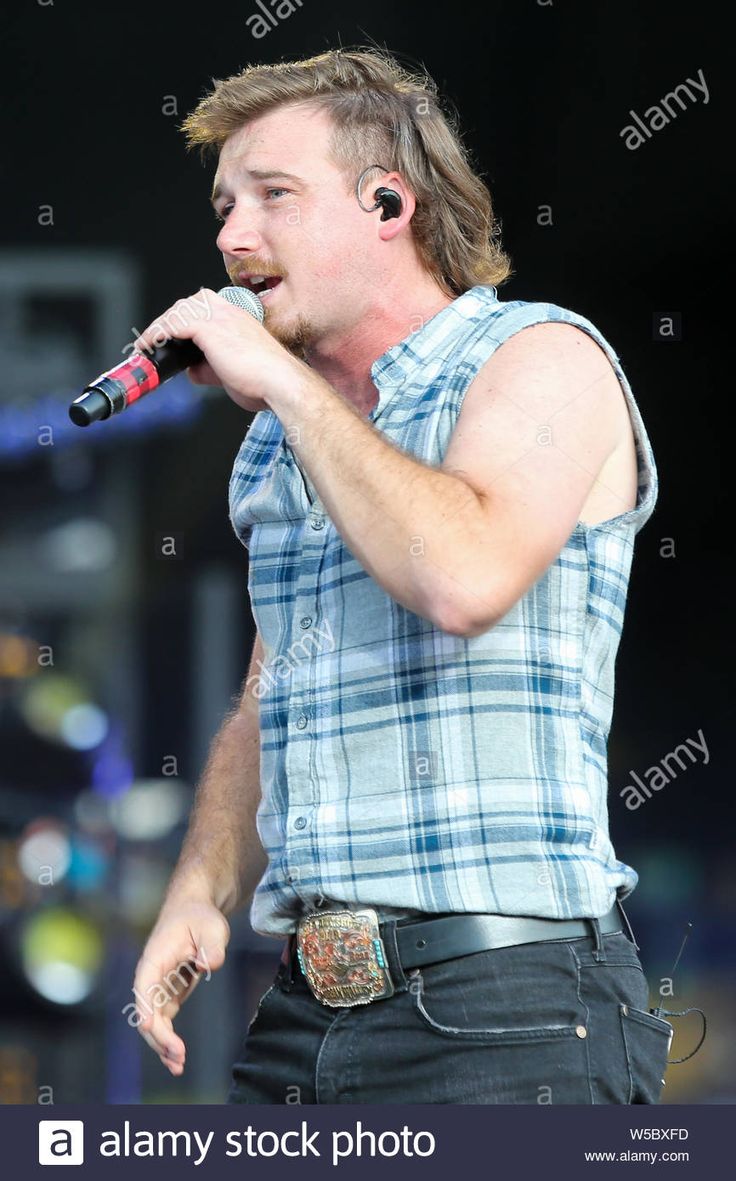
[(403, 767)]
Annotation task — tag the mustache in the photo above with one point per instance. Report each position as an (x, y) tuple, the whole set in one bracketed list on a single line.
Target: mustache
[(237, 274)]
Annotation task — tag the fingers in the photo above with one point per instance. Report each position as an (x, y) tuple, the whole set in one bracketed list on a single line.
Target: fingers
[(158, 1033), (157, 1029), (186, 946), (203, 374), (179, 322), (159, 994)]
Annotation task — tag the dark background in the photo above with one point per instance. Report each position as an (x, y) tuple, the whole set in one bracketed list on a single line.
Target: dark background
[(542, 92)]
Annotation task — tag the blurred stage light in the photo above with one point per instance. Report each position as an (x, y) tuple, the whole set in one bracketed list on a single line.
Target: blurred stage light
[(13, 890), (150, 809), (62, 954), (84, 545), (84, 726), (56, 707), (90, 864), (112, 768), (44, 852), (143, 879), (18, 656), (92, 813)]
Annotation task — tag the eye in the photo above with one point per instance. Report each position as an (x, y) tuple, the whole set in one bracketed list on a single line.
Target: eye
[(223, 214), (269, 191)]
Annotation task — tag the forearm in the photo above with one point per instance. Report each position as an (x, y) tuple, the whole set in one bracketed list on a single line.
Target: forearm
[(222, 858), (415, 529)]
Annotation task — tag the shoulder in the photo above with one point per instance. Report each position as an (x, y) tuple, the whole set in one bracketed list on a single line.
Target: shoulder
[(547, 390), (556, 338), (556, 345), (553, 354), (538, 326)]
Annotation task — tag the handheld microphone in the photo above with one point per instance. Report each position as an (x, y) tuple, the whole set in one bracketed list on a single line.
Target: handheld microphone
[(115, 389)]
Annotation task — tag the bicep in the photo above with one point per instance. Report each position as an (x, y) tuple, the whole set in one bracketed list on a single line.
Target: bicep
[(536, 426)]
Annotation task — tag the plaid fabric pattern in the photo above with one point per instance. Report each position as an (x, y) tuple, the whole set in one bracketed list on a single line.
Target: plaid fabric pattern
[(403, 767)]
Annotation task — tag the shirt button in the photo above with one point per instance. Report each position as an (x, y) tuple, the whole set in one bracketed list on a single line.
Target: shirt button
[(300, 822), (581, 1031), (306, 621), (301, 722), (318, 523)]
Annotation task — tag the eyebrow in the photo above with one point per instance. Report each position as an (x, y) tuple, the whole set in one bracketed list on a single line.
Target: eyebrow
[(258, 174)]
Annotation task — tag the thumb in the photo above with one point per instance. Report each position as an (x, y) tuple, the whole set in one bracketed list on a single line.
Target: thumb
[(210, 956), (210, 938)]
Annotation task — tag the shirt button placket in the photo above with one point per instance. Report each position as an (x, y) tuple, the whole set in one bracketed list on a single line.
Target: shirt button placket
[(301, 786)]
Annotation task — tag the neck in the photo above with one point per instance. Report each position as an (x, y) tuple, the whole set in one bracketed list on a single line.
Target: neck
[(345, 358)]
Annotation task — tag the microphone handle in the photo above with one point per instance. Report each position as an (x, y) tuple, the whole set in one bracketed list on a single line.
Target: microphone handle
[(115, 389), (140, 373), (173, 356)]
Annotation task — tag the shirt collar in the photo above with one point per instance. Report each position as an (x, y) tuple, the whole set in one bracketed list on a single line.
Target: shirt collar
[(402, 359)]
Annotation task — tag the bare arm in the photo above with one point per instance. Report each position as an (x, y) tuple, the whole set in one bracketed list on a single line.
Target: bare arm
[(219, 867), (222, 858), (460, 544)]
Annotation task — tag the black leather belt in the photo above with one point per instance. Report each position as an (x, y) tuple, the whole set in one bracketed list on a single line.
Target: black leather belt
[(346, 955), (456, 935)]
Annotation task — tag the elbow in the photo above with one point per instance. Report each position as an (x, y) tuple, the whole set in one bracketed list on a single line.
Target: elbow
[(471, 608), (467, 630), (458, 620), (471, 630)]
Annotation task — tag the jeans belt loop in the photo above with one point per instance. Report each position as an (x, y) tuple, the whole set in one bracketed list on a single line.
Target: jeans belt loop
[(599, 951), (285, 972)]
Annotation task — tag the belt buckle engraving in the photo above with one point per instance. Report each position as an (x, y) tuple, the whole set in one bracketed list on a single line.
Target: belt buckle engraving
[(342, 956)]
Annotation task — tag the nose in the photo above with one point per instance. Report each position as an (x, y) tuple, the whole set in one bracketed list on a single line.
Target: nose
[(239, 234)]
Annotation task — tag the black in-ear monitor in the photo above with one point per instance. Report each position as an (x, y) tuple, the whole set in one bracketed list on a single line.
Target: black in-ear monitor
[(391, 202), (387, 200)]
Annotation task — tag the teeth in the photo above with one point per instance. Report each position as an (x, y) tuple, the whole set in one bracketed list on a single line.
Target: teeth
[(256, 283)]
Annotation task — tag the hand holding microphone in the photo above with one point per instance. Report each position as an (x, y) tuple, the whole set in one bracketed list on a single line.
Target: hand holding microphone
[(146, 369)]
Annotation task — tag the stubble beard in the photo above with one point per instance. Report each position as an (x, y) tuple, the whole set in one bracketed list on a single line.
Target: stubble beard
[(295, 337)]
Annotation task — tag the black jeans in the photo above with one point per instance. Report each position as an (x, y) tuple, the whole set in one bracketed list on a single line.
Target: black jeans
[(550, 1022)]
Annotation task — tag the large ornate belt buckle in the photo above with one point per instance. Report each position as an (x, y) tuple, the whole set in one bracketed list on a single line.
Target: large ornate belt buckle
[(343, 958)]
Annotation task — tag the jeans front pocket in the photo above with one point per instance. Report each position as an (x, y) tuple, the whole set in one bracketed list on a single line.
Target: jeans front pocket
[(647, 1040), (495, 1041), (511, 994), (500, 1035)]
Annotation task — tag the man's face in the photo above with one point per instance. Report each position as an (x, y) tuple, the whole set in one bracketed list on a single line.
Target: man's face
[(288, 214)]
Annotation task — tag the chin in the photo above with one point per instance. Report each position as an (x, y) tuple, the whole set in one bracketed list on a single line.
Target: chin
[(296, 336)]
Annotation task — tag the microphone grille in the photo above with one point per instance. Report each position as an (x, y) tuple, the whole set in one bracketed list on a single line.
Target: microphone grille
[(241, 297)]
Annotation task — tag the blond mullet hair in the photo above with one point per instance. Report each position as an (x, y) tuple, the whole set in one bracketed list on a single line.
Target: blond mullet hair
[(381, 113)]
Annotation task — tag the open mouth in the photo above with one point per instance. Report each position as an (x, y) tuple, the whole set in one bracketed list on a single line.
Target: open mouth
[(260, 284)]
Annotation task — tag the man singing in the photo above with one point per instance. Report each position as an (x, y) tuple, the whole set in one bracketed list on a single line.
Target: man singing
[(439, 493)]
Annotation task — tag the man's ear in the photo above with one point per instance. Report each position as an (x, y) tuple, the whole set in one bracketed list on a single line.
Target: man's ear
[(394, 225)]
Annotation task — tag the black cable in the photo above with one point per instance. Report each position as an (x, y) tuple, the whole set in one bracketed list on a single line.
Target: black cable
[(659, 1012)]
